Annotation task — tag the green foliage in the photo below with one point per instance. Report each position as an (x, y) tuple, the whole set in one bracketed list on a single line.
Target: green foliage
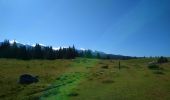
[(73, 94), (86, 54), (162, 60), (153, 66), (98, 55), (158, 72), (8, 50), (20, 51)]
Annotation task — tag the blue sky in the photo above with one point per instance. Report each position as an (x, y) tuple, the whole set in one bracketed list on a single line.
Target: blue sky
[(128, 27)]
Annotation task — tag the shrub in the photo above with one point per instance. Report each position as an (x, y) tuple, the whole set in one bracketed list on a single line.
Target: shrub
[(73, 94), (105, 67), (153, 66), (158, 72), (162, 60)]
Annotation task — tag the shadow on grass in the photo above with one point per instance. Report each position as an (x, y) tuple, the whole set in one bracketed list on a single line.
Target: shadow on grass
[(159, 72), (156, 69), (73, 94)]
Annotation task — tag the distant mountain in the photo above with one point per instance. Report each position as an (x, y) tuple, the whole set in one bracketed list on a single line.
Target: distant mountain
[(20, 44)]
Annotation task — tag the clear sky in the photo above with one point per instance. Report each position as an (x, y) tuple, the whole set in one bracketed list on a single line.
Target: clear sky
[(127, 27)]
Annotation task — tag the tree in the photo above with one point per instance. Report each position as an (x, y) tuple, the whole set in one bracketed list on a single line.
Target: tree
[(50, 53), (75, 53), (108, 57), (88, 54), (14, 50), (38, 54), (5, 49), (23, 53), (162, 60), (98, 55)]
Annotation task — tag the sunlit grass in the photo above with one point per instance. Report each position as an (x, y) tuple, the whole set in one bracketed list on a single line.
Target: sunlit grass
[(85, 79)]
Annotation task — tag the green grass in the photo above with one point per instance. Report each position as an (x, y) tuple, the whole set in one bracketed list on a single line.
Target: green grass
[(62, 88), (134, 81), (11, 69), (85, 79)]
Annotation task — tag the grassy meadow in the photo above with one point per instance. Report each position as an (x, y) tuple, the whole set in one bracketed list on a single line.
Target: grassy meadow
[(85, 79)]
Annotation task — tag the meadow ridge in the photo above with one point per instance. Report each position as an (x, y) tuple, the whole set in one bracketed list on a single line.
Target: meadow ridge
[(85, 79)]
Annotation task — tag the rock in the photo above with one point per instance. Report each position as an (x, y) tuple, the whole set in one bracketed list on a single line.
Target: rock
[(28, 79), (152, 63), (101, 72)]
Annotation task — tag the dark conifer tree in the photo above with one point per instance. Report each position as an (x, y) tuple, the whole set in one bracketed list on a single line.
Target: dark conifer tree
[(98, 55), (5, 49), (23, 53), (51, 54), (38, 54), (14, 50)]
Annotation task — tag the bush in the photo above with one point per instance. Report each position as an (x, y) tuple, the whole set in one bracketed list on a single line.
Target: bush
[(153, 66), (73, 94), (105, 67), (158, 72), (162, 60)]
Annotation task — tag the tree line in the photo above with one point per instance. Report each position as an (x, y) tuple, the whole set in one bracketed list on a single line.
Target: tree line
[(20, 51), (8, 50)]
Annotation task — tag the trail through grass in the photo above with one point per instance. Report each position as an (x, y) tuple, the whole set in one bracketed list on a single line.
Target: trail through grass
[(64, 85)]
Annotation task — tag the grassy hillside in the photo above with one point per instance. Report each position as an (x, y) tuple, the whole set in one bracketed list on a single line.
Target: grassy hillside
[(85, 79), (134, 81)]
